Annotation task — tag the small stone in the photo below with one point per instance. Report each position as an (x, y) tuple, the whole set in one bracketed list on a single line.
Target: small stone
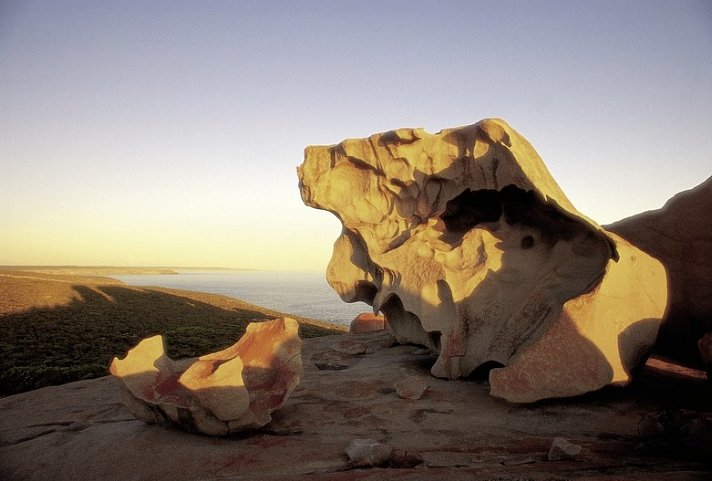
[(402, 458), (368, 452), (331, 360), (562, 449), (413, 387)]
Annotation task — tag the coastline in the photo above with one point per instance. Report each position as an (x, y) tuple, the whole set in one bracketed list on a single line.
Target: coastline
[(301, 293), (117, 270), (59, 328)]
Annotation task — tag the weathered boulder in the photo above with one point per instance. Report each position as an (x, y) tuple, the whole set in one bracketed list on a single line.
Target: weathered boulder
[(469, 247), (367, 322), (219, 393), (680, 236)]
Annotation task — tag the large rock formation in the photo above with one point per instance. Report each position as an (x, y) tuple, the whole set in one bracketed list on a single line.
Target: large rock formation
[(219, 393), (680, 236), (469, 247)]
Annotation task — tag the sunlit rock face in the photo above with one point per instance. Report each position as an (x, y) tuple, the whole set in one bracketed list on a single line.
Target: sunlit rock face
[(469, 247), (231, 390), (680, 235)]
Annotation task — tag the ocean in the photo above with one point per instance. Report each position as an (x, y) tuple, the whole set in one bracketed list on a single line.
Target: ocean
[(304, 294)]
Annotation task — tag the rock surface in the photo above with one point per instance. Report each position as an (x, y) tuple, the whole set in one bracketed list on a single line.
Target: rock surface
[(469, 247), (680, 236), (455, 432), (412, 387), (219, 393), (368, 452)]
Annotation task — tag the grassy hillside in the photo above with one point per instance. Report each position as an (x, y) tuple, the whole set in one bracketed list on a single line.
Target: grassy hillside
[(56, 329)]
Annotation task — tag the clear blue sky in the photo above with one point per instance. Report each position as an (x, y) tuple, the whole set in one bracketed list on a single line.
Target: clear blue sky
[(167, 133)]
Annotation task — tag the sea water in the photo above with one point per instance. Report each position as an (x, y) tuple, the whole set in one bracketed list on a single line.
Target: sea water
[(304, 294)]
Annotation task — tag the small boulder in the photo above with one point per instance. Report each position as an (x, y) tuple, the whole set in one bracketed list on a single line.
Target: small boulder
[(219, 393), (365, 453), (331, 360), (367, 322), (412, 387), (562, 449)]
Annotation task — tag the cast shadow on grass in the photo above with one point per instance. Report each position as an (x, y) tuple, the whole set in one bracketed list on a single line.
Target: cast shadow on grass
[(49, 346)]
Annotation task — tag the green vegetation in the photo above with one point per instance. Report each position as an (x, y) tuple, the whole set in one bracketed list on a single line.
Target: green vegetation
[(78, 338)]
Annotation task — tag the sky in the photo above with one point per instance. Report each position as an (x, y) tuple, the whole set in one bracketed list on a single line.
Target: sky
[(149, 133)]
